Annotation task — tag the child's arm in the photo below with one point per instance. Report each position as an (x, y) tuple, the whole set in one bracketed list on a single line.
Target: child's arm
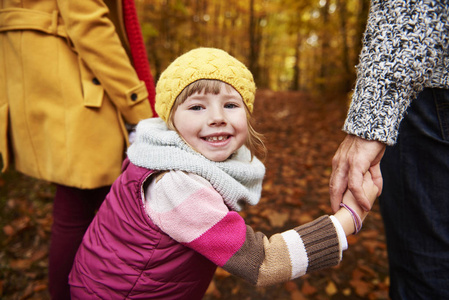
[(344, 216), (190, 211)]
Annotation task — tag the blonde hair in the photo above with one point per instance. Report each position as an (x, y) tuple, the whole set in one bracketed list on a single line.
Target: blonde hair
[(255, 140)]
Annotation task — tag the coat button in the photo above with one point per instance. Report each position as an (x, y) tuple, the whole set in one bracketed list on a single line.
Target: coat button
[(133, 96), (95, 81)]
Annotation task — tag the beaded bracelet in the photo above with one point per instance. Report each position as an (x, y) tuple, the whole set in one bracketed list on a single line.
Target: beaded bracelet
[(355, 217)]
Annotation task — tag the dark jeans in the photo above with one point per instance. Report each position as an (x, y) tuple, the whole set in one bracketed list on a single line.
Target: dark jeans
[(415, 200), (73, 210)]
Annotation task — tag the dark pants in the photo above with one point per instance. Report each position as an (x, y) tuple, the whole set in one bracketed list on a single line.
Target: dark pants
[(73, 210), (415, 200)]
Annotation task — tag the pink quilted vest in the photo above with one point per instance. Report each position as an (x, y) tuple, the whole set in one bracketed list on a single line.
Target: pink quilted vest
[(125, 256)]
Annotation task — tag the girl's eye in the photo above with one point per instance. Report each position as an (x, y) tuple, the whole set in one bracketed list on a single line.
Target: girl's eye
[(196, 107), (231, 105)]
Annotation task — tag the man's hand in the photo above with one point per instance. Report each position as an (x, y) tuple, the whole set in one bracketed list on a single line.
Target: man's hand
[(353, 159)]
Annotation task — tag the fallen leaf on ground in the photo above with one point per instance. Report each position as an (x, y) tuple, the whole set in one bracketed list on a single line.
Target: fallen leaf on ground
[(331, 288)]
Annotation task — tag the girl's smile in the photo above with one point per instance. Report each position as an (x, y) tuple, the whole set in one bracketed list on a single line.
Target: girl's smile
[(214, 125)]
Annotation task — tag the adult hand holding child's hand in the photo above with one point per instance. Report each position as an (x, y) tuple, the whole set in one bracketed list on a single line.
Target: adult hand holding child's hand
[(351, 214), (354, 158)]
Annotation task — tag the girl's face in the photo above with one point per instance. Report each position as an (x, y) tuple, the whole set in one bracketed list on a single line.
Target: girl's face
[(214, 125)]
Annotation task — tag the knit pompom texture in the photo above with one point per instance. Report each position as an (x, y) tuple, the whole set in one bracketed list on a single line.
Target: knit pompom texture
[(203, 63)]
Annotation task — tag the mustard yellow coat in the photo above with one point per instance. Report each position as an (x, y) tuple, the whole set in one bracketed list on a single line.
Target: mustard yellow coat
[(66, 89)]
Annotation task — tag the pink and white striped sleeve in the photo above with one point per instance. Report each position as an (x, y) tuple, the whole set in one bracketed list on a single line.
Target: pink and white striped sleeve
[(188, 209)]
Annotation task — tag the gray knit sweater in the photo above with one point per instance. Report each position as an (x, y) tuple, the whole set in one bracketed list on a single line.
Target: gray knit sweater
[(405, 49)]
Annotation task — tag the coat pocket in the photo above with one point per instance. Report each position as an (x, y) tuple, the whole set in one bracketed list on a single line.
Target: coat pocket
[(93, 91), (4, 147)]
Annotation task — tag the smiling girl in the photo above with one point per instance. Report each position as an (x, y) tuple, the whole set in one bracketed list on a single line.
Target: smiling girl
[(171, 217)]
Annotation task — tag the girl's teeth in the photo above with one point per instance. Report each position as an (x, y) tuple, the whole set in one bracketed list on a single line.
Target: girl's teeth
[(216, 138)]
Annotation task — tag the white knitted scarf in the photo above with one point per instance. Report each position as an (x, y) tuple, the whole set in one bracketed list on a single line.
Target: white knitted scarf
[(237, 179)]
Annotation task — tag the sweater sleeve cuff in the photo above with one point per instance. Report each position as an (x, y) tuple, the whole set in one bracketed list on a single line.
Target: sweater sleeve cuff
[(321, 243), (341, 234)]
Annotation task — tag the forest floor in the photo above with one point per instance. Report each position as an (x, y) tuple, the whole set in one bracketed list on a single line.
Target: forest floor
[(302, 133)]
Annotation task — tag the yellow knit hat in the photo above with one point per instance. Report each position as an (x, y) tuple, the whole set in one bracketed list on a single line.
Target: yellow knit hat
[(202, 63)]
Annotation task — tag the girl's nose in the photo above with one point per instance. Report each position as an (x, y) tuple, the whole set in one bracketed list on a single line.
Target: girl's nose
[(217, 117)]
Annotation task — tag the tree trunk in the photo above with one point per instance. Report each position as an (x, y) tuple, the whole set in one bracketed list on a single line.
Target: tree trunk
[(347, 72), (296, 69)]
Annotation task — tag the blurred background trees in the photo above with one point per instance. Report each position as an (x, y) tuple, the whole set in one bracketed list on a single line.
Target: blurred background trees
[(307, 45)]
